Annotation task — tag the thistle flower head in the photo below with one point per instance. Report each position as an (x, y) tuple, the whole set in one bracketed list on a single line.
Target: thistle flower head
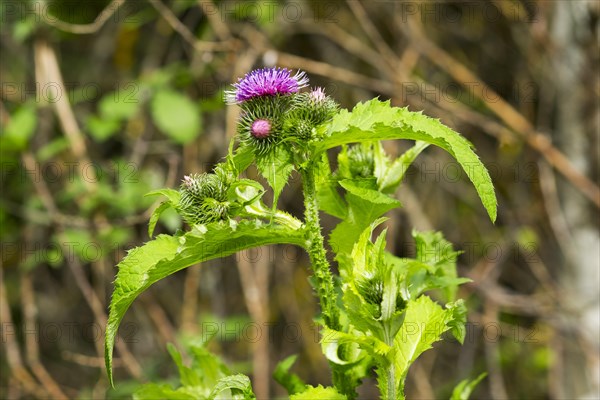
[(266, 82), (260, 122)]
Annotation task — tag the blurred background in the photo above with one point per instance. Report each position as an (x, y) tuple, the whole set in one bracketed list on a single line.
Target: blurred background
[(104, 101)]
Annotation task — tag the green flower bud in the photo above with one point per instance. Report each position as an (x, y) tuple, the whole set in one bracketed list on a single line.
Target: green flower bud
[(361, 161), (204, 198), (371, 289), (307, 111)]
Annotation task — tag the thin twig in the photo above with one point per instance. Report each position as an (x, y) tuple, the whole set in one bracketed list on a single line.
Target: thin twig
[(507, 113), (214, 18), (363, 18), (80, 29), (48, 71), (255, 286), (32, 350), (189, 309), (13, 355), (492, 356), (179, 27)]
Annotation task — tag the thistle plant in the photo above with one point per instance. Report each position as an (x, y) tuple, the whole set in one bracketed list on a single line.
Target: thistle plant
[(377, 316)]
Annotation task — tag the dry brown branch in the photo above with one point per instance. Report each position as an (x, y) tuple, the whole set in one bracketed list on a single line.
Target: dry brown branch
[(367, 25), (492, 356), (32, 350), (13, 354), (189, 309), (556, 216), (88, 292), (48, 71), (255, 287), (511, 117), (159, 318), (80, 29), (179, 27), (215, 20)]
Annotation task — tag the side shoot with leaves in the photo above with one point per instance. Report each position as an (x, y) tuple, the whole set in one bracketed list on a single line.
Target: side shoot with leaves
[(387, 319)]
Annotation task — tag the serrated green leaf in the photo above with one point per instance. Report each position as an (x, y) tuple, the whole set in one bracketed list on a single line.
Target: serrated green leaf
[(375, 120), (172, 195), (318, 393), (176, 116), (239, 385), (463, 390), (187, 375), (328, 197), (290, 381), (389, 174), (434, 250), (365, 205), (153, 391), (211, 368), (165, 255), (156, 215), (459, 319), (241, 159), (276, 167), (423, 325)]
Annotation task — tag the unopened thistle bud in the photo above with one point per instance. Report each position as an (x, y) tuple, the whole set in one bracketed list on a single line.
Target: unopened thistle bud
[(361, 161), (203, 199), (307, 111)]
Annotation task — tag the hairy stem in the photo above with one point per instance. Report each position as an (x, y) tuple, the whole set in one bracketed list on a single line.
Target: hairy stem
[(316, 251), (324, 284)]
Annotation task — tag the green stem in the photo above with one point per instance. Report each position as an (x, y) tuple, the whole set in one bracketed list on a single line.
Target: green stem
[(387, 373), (316, 250)]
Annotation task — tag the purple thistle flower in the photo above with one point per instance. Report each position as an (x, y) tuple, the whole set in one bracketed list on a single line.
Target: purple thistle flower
[(261, 128), (266, 82)]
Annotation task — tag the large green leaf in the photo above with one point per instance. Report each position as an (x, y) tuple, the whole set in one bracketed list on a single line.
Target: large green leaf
[(165, 255), (375, 120)]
